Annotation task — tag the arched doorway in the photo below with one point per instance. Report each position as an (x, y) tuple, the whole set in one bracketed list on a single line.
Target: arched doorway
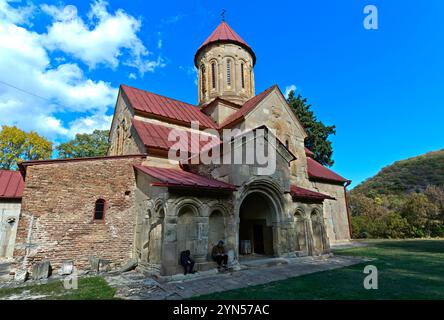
[(256, 215)]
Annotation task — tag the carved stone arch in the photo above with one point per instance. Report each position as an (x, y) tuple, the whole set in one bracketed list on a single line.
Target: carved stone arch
[(193, 203), (316, 213), (299, 213), (159, 207), (270, 189), (217, 205)]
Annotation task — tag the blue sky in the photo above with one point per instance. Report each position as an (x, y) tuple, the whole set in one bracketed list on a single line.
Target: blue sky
[(383, 89)]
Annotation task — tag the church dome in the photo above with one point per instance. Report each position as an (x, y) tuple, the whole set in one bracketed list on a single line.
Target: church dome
[(224, 34), (225, 65)]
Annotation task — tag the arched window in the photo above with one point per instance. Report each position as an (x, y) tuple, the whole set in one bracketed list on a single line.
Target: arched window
[(229, 72), (99, 210), (287, 144), (202, 76), (242, 76), (213, 75)]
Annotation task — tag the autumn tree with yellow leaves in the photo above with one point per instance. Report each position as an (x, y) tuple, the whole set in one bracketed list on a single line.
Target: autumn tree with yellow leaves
[(17, 145)]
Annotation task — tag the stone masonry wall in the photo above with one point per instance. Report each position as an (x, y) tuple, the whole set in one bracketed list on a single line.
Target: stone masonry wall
[(59, 201)]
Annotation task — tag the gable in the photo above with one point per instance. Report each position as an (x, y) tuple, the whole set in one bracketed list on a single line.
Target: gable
[(274, 112)]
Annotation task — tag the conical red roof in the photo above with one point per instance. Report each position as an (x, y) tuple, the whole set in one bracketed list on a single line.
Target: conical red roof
[(224, 33)]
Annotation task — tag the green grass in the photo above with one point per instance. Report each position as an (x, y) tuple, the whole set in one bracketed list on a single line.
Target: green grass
[(91, 288), (412, 269)]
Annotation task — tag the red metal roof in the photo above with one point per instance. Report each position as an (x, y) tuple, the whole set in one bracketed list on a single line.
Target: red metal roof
[(246, 108), (309, 153), (11, 184), (301, 193), (156, 136), (183, 179), (317, 171), (224, 33), (164, 107)]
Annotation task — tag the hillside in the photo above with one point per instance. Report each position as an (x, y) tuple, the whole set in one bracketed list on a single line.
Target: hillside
[(405, 176)]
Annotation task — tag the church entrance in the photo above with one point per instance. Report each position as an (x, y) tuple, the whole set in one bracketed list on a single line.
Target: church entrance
[(255, 228)]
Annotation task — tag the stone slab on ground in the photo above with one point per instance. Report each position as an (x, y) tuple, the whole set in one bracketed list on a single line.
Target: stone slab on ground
[(41, 270), (133, 285)]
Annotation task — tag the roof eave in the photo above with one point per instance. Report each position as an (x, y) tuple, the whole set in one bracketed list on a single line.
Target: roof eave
[(246, 47)]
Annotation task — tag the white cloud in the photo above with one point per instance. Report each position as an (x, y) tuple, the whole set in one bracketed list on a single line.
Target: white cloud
[(289, 88), (90, 123), (103, 39), (132, 76), (35, 94), (21, 15)]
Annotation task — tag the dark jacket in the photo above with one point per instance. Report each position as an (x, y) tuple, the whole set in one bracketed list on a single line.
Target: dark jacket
[(185, 258), (217, 250)]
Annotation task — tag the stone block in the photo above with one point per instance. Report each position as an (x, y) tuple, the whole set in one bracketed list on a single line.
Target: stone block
[(41, 270), (94, 263), (66, 268), (130, 265), (104, 265), (21, 275)]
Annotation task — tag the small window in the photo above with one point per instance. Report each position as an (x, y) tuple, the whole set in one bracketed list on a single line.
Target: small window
[(287, 144), (242, 76), (99, 211), (213, 75), (229, 72), (202, 70)]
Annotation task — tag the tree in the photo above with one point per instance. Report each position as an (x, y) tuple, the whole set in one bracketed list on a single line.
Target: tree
[(17, 145), (421, 214), (318, 133), (85, 145)]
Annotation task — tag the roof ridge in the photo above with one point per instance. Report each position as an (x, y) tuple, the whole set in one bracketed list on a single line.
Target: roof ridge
[(160, 95)]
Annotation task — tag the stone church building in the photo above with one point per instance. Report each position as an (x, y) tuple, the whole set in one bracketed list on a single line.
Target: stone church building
[(138, 203)]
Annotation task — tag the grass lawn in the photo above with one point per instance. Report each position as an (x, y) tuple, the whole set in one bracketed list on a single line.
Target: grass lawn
[(409, 269), (88, 289)]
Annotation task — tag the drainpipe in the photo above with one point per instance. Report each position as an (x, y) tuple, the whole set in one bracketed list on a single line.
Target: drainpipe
[(348, 208)]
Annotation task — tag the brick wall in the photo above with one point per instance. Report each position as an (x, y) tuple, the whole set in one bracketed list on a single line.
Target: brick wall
[(61, 197)]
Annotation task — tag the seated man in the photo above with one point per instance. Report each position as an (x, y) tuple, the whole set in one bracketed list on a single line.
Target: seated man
[(219, 255), (186, 262)]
